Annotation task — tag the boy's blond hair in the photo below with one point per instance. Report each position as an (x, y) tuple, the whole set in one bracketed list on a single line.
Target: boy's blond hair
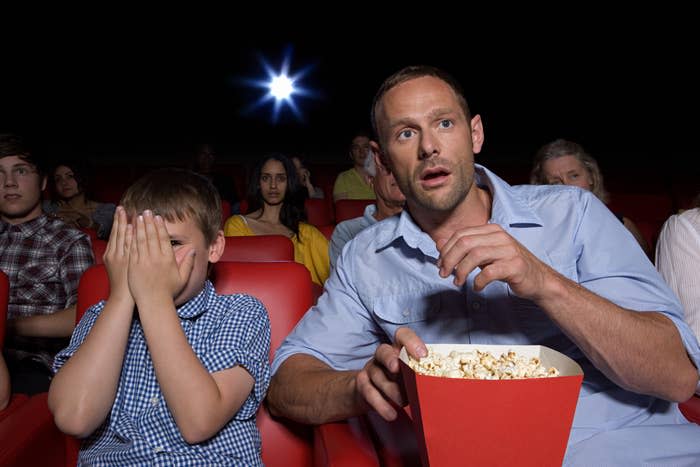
[(177, 195)]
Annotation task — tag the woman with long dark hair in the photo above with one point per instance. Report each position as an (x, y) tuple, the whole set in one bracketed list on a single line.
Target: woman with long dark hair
[(276, 207), (70, 202)]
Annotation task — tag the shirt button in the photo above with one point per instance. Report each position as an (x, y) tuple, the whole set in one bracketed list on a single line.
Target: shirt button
[(158, 449), (155, 400), (476, 305), (406, 312)]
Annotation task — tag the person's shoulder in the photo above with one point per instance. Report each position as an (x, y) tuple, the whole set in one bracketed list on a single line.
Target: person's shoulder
[(310, 231), (349, 224), (377, 234), (691, 215), (237, 307), (58, 230), (536, 195), (686, 220), (234, 222)]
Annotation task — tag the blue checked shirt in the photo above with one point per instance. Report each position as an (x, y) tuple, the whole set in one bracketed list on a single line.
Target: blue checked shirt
[(224, 331)]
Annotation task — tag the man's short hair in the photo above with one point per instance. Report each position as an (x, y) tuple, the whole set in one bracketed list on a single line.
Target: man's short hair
[(413, 72), (176, 195), (15, 145)]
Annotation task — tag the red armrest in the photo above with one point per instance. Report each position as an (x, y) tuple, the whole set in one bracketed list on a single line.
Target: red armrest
[(691, 409), (343, 444), (30, 437), (16, 400)]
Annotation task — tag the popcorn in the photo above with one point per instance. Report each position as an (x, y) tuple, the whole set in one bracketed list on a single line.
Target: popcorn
[(480, 365)]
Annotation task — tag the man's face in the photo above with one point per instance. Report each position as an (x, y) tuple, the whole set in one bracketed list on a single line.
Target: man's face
[(20, 190), (359, 150), (429, 143)]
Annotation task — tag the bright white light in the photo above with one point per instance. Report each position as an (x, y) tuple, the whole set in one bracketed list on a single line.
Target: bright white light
[(281, 87)]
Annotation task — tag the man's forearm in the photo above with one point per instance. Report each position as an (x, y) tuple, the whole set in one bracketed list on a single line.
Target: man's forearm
[(58, 324), (640, 351), (306, 390)]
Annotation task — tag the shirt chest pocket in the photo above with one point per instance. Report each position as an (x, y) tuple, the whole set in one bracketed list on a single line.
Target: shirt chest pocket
[(38, 280), (428, 308)]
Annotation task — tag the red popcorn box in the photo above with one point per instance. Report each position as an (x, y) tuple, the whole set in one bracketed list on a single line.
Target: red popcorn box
[(524, 422)]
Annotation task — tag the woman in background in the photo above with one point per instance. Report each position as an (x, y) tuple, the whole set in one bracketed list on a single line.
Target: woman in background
[(70, 203), (276, 207), (563, 162)]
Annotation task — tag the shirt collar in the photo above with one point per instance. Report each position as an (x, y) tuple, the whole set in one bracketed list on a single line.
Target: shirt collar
[(507, 209), (198, 304), (25, 229), (370, 209)]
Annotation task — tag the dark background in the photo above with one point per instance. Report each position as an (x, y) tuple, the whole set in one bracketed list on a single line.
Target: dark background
[(628, 93)]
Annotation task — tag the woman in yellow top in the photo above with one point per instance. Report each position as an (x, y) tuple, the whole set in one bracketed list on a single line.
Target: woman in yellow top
[(276, 207)]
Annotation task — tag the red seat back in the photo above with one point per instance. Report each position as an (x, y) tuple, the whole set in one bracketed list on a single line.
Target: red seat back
[(4, 298), (318, 212), (285, 290), (350, 208), (98, 249), (258, 248), (225, 210), (327, 230)]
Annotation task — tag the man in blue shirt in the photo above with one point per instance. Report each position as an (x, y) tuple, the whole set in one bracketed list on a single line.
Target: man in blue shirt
[(390, 201), (474, 260)]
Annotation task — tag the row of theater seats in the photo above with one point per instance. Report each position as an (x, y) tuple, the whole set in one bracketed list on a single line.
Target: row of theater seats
[(29, 436)]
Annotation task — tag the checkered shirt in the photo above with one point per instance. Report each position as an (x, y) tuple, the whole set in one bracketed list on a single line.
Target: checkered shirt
[(224, 331), (43, 259)]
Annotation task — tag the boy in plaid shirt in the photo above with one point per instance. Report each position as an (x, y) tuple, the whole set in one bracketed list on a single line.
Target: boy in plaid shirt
[(165, 372)]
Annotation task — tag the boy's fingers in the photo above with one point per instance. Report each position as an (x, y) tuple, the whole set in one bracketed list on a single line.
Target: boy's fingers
[(163, 235), (153, 243), (128, 238), (139, 245)]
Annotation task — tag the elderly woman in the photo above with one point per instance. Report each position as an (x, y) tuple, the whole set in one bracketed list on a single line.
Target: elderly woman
[(563, 162), (70, 203)]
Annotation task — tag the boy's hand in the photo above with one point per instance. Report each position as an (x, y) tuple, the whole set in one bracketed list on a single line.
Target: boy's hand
[(116, 256), (153, 268)]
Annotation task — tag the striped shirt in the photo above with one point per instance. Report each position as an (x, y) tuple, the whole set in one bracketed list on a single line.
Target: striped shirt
[(224, 331)]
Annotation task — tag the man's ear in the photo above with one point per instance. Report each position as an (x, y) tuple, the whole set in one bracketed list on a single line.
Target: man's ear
[(216, 249), (477, 134), (44, 180), (380, 159)]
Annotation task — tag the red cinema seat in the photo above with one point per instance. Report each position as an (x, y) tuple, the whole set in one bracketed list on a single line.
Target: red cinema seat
[(350, 208), (4, 298), (318, 212), (691, 409), (225, 210), (258, 248), (327, 231)]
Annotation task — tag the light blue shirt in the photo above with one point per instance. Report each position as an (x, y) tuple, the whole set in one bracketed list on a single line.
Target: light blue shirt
[(346, 231), (387, 278)]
